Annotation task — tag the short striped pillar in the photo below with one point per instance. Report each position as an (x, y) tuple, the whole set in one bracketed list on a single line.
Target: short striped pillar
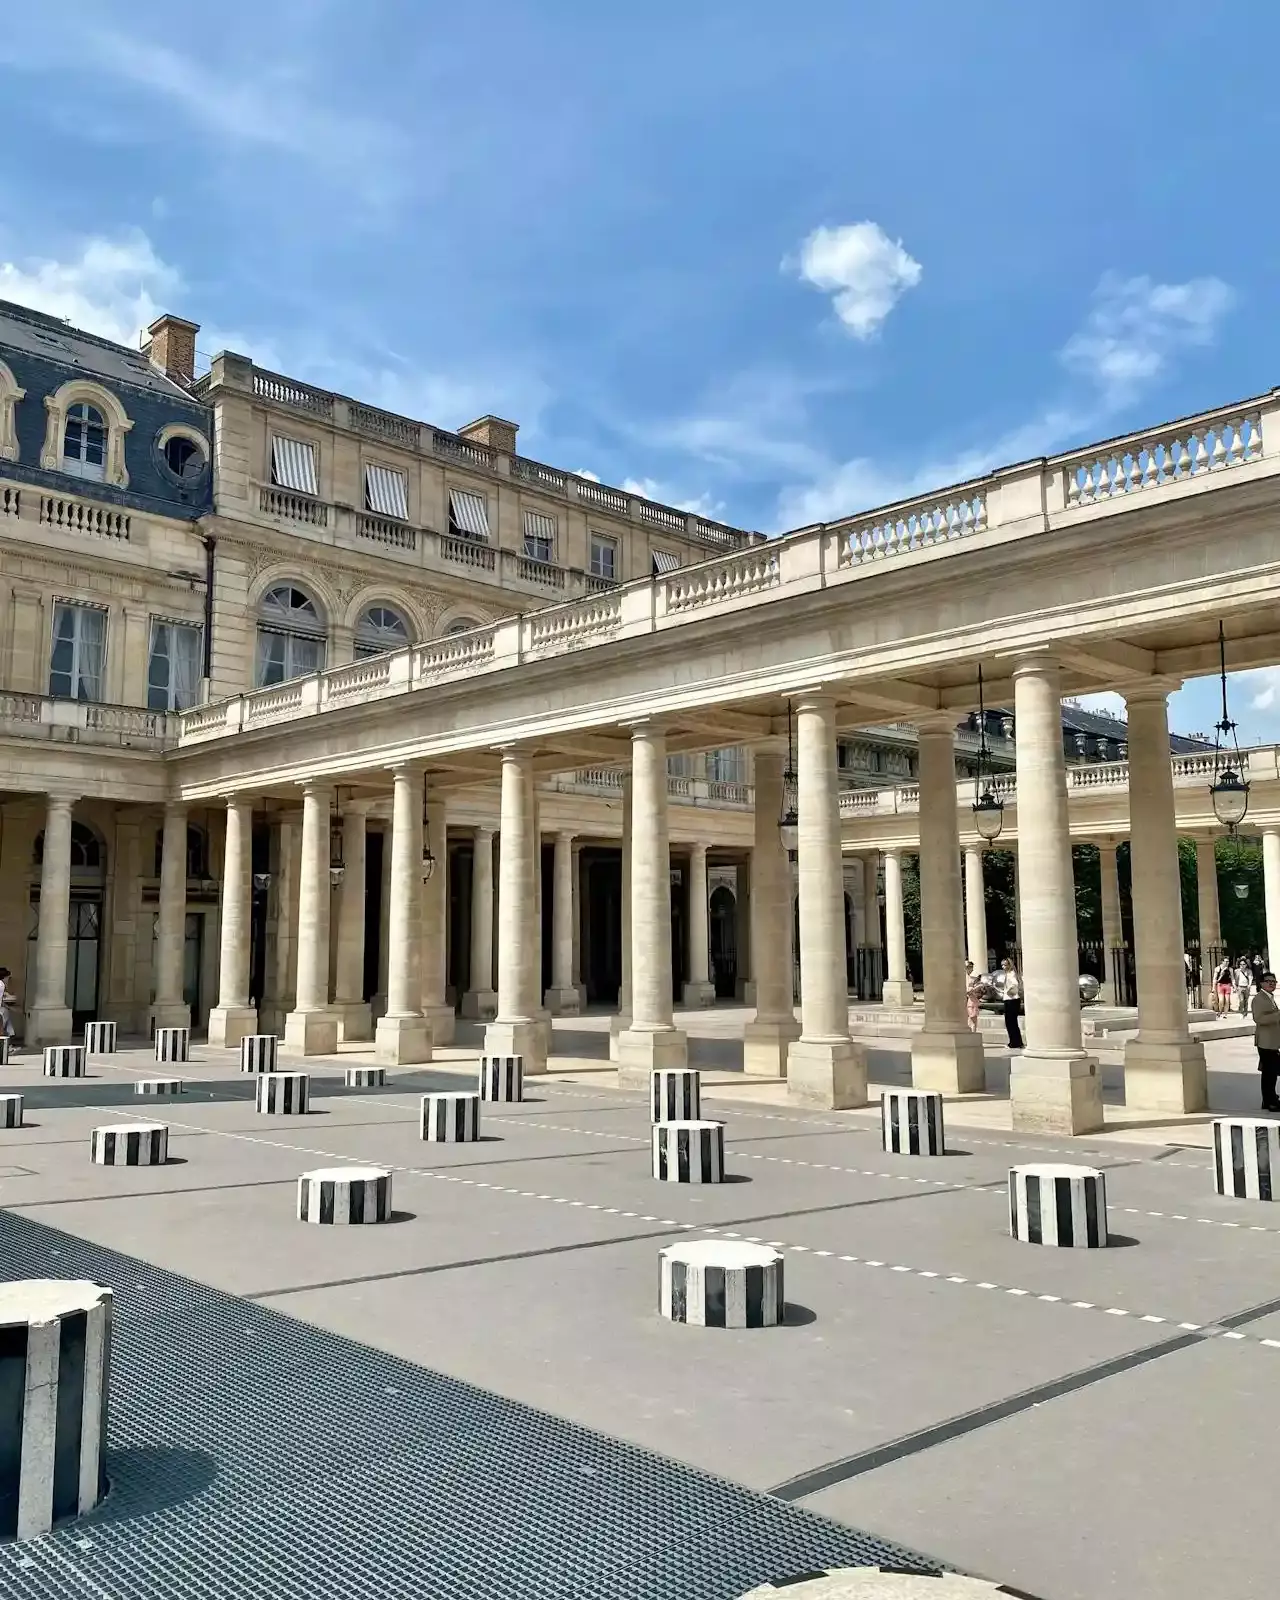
[(877, 1583), (10, 1110), (64, 1061), (911, 1122), (258, 1052), (5, 1042), (688, 1152), (130, 1144), (677, 1095), (55, 1348), (173, 1044), (1246, 1158), (345, 1195), (1054, 1203), (283, 1094), (159, 1088), (100, 1038), (502, 1078), (366, 1077), (719, 1283), (451, 1118)]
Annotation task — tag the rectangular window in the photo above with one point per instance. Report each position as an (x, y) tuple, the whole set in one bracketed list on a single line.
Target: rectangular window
[(173, 666), (604, 557), (79, 645), (468, 515), (539, 536), (293, 464), (386, 492), (664, 562), (726, 766)]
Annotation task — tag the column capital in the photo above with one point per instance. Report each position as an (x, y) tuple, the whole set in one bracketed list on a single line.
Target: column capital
[(55, 800), (814, 700), (482, 831), (175, 808), (1149, 689), (1033, 663), (934, 722), (638, 727), (775, 744), (321, 787), (567, 834)]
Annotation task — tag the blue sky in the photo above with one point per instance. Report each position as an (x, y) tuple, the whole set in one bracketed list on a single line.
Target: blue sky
[(774, 263)]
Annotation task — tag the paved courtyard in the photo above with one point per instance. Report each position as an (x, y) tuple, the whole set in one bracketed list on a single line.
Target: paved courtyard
[(298, 1407)]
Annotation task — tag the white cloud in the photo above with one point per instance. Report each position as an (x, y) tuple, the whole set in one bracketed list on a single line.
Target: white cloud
[(1263, 688), (865, 272), (1136, 327), (1112, 704), (111, 287), (701, 505)]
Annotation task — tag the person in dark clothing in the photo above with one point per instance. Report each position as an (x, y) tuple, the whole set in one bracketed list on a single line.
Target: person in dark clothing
[(1011, 993), (1266, 1033)]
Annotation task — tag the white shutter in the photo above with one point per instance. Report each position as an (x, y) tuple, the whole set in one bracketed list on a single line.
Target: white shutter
[(293, 464), (385, 492), (664, 562), (470, 513), (539, 536)]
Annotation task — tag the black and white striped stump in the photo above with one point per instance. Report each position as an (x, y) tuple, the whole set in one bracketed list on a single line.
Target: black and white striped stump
[(283, 1094), (10, 1110), (64, 1061), (502, 1078), (173, 1044), (688, 1152), (451, 1118), (100, 1038), (1246, 1158), (345, 1195), (877, 1583), (677, 1095), (160, 1088), (366, 1077), (1057, 1204), (911, 1122), (258, 1052), (55, 1358), (719, 1283), (5, 1042), (130, 1144)]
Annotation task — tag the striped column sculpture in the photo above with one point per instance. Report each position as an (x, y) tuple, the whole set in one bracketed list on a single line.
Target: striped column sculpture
[(100, 1038), (451, 1118), (64, 1061), (877, 1583), (688, 1152), (366, 1077), (159, 1088), (345, 1195), (55, 1348), (173, 1044), (283, 1094), (677, 1095), (911, 1122), (258, 1052), (130, 1144), (502, 1078), (10, 1110), (719, 1283), (5, 1042), (1246, 1158), (1057, 1204)]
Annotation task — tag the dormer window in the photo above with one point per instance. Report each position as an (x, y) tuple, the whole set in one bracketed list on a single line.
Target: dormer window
[(84, 442)]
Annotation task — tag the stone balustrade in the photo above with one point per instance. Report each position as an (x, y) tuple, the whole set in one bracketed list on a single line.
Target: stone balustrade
[(38, 716)]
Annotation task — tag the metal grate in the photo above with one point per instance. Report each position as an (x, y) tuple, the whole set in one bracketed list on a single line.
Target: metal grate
[(252, 1455)]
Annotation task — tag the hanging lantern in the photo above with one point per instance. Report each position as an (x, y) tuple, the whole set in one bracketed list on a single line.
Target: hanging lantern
[(988, 808), (1229, 791), (789, 821), (337, 868), (428, 860)]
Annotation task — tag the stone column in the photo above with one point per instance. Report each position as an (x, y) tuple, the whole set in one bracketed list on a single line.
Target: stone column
[(515, 1031), (824, 1066), (233, 1016), (576, 969), (311, 1028), (169, 1009), (48, 1016), (402, 1035), (744, 986), (349, 1003), (1207, 897), (1112, 926), (621, 1020), (871, 901), (1271, 891), (1054, 1086), (975, 907), (898, 988), (652, 1040), (1016, 881), (766, 1039), (562, 997), (699, 991), (1164, 1067), (945, 1055), (433, 943), (480, 1001)]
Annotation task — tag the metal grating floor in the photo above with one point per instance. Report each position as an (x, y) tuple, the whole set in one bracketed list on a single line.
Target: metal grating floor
[(252, 1455)]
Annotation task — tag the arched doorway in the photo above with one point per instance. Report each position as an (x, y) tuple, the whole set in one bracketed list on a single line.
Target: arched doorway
[(84, 922), (724, 942)]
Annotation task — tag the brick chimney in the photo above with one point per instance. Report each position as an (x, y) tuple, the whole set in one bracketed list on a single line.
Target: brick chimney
[(494, 432), (171, 346)]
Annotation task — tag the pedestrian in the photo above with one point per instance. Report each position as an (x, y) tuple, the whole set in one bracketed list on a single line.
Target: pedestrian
[(1266, 1035), (974, 984), (1222, 986), (1011, 993), (6, 1000), (1191, 977), (1243, 984), (1257, 966)]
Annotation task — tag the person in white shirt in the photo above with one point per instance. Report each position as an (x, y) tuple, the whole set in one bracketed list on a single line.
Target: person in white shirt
[(6, 1000), (1011, 992)]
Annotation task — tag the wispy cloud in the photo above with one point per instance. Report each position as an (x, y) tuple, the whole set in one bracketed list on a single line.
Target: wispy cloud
[(702, 505), (864, 271), (111, 287)]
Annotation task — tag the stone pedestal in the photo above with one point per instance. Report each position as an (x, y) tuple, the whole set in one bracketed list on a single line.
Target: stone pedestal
[(766, 1047), (355, 1019), (1165, 1075), (644, 1051), (403, 1041), (311, 1033), (228, 1025), (339, 1195), (283, 1094), (1056, 1204), (951, 1062), (830, 1076), (1054, 1094), (719, 1283), (441, 1020), (130, 1144), (1246, 1158), (688, 1152), (450, 1118)]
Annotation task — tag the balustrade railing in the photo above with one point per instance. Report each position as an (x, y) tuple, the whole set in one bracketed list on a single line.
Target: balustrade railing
[(913, 525), (458, 651), (730, 578), (85, 721), (467, 552), (599, 494), (83, 516), (536, 472), (387, 531), (10, 500), (1204, 444), (283, 391), (384, 425), (458, 449), (563, 627), (292, 507)]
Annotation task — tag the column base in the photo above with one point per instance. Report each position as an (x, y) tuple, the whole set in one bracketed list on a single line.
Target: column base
[(1055, 1094), (229, 1024), (402, 1041), (745, 991), (829, 1074), (355, 1020), (48, 1025), (311, 1033), (582, 996), (442, 1021), (952, 1062), (543, 1018), (618, 1025), (642, 1052), (480, 1005), (1165, 1077), (765, 1046), (697, 996), (524, 1038), (175, 1014), (898, 992), (563, 1002)]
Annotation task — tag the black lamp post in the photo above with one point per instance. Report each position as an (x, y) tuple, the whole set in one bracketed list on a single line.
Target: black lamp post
[(1228, 791), (789, 821), (988, 808), (428, 860), (337, 868)]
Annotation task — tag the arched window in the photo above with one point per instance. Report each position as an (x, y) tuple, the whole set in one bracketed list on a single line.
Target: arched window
[(84, 442), (380, 629), (290, 635), (86, 848), (461, 625)]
